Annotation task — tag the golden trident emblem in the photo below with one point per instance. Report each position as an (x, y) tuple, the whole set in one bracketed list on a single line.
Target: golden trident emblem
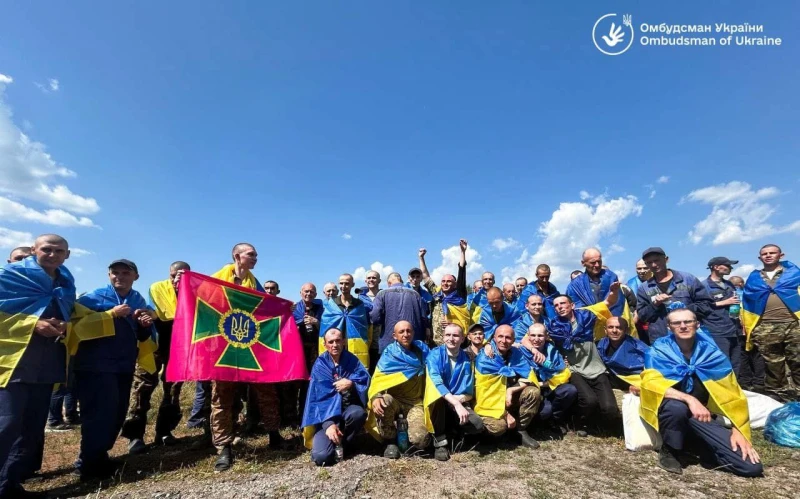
[(240, 327)]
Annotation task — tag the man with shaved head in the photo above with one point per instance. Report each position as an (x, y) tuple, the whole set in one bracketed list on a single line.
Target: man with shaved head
[(450, 298), (478, 298), (543, 288), (509, 294), (164, 300), (37, 296), (593, 286), (394, 304), (330, 290), (19, 254), (534, 314), (307, 314), (519, 284), (497, 313)]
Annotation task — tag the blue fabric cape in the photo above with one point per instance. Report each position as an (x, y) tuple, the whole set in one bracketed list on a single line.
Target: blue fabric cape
[(553, 365), (561, 330), (580, 291), (477, 299), (707, 361), (756, 291), (423, 292), (627, 360), (522, 324), (323, 402), (450, 299), (396, 359), (547, 298), (300, 311), (517, 365), (460, 381), (354, 321), (487, 319), (634, 283), (26, 288), (106, 298)]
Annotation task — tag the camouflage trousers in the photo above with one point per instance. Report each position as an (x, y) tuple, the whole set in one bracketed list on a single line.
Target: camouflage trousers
[(524, 407), (418, 435), (779, 344), (169, 411), (223, 399)]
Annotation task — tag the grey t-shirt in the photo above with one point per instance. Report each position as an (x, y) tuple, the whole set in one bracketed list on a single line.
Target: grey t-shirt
[(584, 359)]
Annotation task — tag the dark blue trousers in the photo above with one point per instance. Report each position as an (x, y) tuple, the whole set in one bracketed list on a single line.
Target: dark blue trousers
[(676, 424), (104, 399), (732, 348), (63, 400), (323, 451), (556, 403), (23, 414), (200, 405)]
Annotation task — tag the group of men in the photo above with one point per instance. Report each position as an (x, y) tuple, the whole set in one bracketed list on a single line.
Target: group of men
[(415, 364)]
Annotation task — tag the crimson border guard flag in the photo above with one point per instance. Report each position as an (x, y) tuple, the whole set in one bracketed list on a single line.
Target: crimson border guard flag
[(225, 332)]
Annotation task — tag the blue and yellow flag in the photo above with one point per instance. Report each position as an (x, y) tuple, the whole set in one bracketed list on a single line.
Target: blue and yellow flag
[(522, 324), (396, 366), (323, 402), (228, 274), (665, 367), (164, 300), (487, 320), (353, 323), (92, 319), (454, 308), (554, 371), (627, 362), (25, 293), (491, 374), (756, 292), (443, 379)]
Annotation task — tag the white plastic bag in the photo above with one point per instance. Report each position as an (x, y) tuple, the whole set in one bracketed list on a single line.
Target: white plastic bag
[(638, 434), (760, 406)]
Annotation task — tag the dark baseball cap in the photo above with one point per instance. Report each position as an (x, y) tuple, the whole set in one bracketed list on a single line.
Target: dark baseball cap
[(721, 260), (414, 270), (126, 263), (653, 250), (475, 327)]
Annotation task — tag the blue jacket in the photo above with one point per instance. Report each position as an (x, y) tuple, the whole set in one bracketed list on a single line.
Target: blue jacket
[(719, 322), (394, 304), (685, 288)]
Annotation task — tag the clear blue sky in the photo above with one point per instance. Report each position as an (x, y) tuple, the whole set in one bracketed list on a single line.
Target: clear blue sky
[(197, 125)]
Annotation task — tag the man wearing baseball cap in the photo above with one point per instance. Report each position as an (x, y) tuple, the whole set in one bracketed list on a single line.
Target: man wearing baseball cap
[(719, 322), (668, 290)]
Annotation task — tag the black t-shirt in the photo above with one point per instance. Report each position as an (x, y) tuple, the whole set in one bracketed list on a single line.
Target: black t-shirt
[(664, 286), (498, 316)]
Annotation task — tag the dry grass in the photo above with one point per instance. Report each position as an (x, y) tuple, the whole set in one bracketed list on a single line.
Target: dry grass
[(570, 468)]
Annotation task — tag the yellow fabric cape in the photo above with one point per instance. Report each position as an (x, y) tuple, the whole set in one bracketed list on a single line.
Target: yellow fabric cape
[(164, 299), (227, 274), (490, 385)]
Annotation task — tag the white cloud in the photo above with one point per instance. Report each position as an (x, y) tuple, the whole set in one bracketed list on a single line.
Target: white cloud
[(622, 274), (13, 211), (663, 179), (652, 191), (78, 252), (584, 195), (572, 228), (5, 80), (28, 171), (505, 244), (744, 270), (12, 238), (53, 83), (346, 236), (614, 248), (739, 214), (449, 265), (77, 269), (384, 270)]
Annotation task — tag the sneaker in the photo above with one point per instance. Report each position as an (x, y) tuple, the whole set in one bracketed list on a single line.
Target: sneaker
[(667, 461), (136, 446), (527, 440), (59, 427), (392, 452), (224, 461), (441, 454)]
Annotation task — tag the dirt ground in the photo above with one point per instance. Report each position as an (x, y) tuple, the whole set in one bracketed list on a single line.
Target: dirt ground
[(569, 468)]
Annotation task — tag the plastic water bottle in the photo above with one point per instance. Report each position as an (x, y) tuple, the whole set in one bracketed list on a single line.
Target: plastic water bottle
[(734, 309), (339, 453), (402, 433)]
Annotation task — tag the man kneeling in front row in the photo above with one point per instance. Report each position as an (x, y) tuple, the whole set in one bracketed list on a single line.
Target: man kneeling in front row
[(334, 410), (686, 377)]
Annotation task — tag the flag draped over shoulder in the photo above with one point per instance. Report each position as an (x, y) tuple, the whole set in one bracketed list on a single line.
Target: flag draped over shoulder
[(554, 371), (90, 322), (487, 320), (580, 290), (164, 300), (627, 362), (351, 322), (491, 374), (442, 379), (396, 366), (665, 367), (226, 332), (228, 273), (454, 308), (587, 327), (756, 292), (25, 293), (323, 402), (522, 324)]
